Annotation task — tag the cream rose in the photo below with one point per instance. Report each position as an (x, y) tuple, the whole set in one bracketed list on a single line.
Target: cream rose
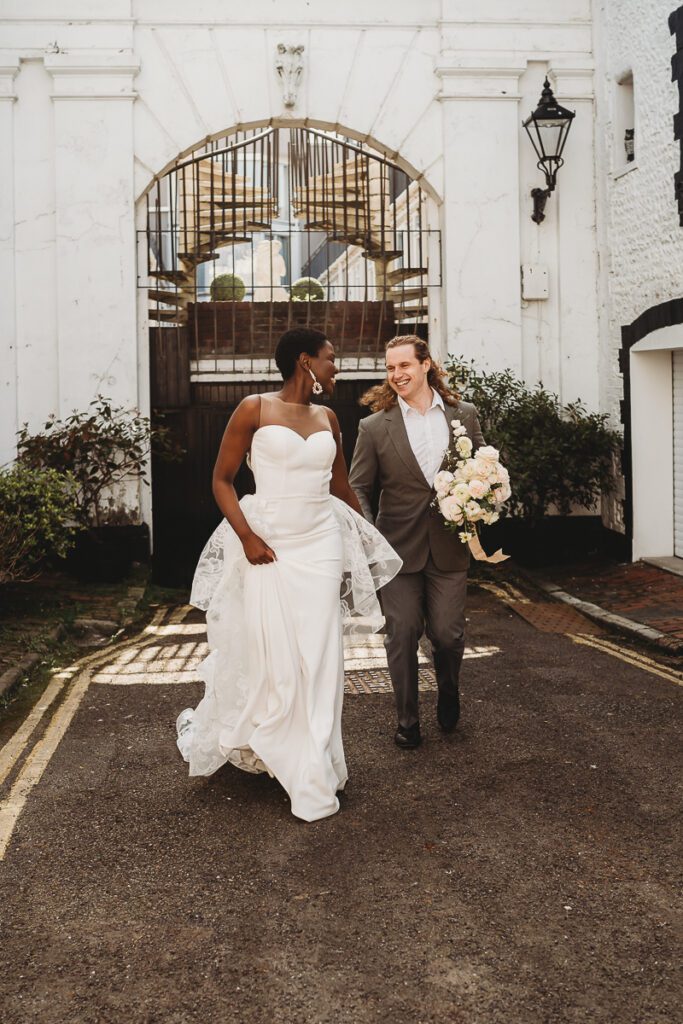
[(487, 453), (461, 491), (477, 488), (442, 482), (464, 447), (451, 509), (473, 511), (469, 469)]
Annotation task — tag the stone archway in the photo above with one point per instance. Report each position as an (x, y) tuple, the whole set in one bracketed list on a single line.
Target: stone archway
[(253, 233)]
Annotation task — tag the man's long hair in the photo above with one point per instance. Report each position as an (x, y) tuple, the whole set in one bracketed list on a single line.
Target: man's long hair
[(382, 396)]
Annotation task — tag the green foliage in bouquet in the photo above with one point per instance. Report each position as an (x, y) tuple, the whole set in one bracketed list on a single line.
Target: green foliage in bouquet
[(557, 455), (98, 449), (227, 288), (307, 289), (38, 519)]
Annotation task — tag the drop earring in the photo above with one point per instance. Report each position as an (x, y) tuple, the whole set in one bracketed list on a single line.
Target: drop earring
[(317, 386)]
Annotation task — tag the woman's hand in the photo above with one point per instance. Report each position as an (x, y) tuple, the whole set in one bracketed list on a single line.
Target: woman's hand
[(257, 551)]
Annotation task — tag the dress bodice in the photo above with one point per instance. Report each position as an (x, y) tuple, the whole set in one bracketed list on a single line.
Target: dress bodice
[(292, 451)]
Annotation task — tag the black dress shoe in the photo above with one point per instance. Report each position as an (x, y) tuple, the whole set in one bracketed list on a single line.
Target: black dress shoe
[(448, 712), (408, 737)]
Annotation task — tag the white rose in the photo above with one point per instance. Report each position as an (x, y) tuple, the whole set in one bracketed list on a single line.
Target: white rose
[(457, 428), (487, 453), (473, 511), (478, 488), (442, 482), (468, 470), (463, 447), (451, 509), (461, 491)]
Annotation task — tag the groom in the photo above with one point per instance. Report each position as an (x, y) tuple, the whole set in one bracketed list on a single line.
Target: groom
[(399, 451)]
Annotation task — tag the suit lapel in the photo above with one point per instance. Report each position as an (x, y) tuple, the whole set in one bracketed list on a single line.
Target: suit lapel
[(396, 429)]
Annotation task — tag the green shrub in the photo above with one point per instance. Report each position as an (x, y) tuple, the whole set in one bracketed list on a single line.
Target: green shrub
[(557, 455), (98, 449), (307, 289), (227, 288), (38, 518)]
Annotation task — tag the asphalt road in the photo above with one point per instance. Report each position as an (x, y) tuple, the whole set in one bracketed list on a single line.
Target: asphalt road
[(526, 869)]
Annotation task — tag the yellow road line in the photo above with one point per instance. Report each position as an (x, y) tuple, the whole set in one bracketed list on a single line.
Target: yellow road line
[(12, 750), (505, 591), (638, 655), (39, 758), (16, 744), (638, 660)]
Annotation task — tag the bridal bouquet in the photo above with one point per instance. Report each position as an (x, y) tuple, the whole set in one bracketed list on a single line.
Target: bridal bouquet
[(473, 487)]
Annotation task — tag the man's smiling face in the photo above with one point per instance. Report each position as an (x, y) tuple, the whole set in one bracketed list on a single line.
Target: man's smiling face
[(406, 375)]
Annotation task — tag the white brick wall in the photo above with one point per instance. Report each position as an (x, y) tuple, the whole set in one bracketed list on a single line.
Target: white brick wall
[(640, 239)]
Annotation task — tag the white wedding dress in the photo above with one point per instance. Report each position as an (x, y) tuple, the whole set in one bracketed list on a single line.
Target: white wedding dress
[(274, 677)]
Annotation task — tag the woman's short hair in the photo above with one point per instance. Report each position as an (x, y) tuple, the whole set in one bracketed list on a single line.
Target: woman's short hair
[(292, 344)]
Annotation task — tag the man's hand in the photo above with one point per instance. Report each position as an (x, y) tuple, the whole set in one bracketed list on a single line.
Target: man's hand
[(257, 551)]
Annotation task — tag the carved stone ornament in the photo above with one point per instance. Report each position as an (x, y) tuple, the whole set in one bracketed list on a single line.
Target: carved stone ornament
[(289, 66)]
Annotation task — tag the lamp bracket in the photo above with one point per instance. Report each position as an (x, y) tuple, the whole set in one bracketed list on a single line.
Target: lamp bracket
[(540, 198)]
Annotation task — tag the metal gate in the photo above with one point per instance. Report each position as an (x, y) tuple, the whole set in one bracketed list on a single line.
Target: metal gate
[(255, 233)]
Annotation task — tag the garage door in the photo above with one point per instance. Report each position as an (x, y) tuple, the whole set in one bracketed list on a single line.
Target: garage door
[(678, 451)]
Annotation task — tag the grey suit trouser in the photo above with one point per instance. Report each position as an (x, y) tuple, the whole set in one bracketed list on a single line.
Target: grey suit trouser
[(430, 601)]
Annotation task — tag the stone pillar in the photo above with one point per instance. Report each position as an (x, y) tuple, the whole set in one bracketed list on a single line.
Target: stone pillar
[(481, 130), (9, 66), (577, 251), (95, 227)]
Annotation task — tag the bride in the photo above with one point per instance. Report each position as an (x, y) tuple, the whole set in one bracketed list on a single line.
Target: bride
[(288, 569)]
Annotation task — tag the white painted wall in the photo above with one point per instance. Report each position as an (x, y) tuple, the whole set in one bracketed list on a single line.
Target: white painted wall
[(107, 100), (651, 417), (638, 227)]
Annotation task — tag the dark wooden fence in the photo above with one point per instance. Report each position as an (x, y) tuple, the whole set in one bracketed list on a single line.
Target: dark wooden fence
[(184, 510)]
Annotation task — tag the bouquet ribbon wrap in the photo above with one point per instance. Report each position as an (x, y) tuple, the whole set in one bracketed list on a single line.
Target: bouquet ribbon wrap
[(477, 550)]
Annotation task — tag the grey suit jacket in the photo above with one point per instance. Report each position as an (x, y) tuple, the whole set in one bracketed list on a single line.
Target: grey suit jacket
[(383, 457)]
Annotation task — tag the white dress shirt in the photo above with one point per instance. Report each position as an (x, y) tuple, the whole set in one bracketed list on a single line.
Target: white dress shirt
[(427, 434)]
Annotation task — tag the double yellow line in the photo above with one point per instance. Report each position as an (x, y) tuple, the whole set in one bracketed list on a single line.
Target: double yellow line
[(629, 656), (78, 678), (507, 593)]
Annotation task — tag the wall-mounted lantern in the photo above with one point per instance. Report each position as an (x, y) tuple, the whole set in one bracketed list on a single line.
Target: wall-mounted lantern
[(547, 127)]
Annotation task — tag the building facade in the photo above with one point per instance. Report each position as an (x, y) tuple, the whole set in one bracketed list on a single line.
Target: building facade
[(96, 107), (641, 237)]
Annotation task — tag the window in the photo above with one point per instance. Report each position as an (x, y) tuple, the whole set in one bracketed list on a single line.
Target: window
[(624, 123)]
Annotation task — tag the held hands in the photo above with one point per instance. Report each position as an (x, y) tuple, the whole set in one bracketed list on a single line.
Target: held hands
[(257, 551)]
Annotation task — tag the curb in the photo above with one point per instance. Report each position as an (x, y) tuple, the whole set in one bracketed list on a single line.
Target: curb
[(619, 622)]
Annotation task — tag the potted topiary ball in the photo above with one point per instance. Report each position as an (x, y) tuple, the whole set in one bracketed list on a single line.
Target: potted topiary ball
[(227, 288), (307, 289)]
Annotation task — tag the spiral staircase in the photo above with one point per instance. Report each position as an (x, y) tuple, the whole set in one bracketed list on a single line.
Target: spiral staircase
[(224, 197), (352, 204)]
